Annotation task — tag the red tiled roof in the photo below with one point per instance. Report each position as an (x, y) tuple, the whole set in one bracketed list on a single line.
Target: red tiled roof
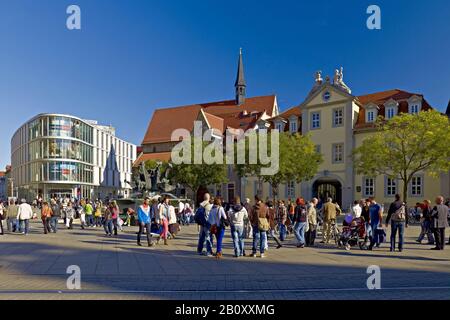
[(380, 98), (165, 121), (2, 173), (161, 156), (215, 123)]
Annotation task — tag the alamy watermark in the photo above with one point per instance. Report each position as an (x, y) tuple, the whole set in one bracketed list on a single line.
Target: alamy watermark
[(374, 20), (73, 21), (74, 280), (374, 280), (260, 142)]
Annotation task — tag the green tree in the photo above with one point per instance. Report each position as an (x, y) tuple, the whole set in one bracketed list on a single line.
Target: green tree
[(195, 176), (406, 145), (298, 161)]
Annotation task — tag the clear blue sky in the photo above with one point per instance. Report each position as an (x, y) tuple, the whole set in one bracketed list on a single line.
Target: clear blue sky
[(132, 56)]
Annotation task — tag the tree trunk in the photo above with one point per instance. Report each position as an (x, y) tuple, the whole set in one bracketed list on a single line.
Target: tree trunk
[(405, 191)]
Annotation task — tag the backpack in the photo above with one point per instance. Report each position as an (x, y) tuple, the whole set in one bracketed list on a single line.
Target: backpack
[(399, 214), (263, 224), (200, 216)]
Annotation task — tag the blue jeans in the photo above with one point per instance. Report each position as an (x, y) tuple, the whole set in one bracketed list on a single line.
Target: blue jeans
[(374, 239), (90, 220), (299, 230), (400, 226), (282, 228), (12, 225), (108, 226), (426, 230), (204, 235), (261, 237), (219, 237), (237, 234), (24, 223), (54, 224)]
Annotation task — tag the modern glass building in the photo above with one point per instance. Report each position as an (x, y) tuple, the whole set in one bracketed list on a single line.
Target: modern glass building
[(64, 156)]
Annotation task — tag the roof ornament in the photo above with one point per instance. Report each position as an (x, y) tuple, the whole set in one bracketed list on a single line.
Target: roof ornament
[(318, 78), (339, 80)]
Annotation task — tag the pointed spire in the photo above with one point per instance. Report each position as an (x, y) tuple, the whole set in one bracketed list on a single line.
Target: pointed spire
[(240, 83)]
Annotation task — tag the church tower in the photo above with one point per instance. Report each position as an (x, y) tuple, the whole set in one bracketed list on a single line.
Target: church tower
[(240, 84)]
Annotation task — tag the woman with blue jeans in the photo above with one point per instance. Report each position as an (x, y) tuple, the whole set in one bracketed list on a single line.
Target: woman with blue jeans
[(236, 215), (217, 219), (300, 219)]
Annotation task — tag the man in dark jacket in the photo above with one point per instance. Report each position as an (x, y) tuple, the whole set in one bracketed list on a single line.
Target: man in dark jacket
[(56, 208), (399, 221), (259, 213)]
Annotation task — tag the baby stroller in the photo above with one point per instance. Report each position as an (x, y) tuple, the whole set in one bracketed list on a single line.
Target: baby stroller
[(354, 234)]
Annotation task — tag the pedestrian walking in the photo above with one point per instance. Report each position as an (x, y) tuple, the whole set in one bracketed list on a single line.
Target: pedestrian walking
[(300, 222), (272, 223), (329, 219), (282, 218), (201, 218), (440, 222), (11, 216), (356, 209), (399, 221), (259, 218), (426, 223), (218, 221), (376, 223), (24, 214), (46, 216), (56, 214), (162, 219), (2, 216), (145, 220), (237, 215), (89, 213), (69, 213), (310, 235), (108, 220)]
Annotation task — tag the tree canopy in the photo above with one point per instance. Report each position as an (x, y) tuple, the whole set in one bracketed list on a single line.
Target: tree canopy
[(406, 145)]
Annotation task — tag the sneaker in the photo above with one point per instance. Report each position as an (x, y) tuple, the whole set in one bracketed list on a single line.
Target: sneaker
[(262, 255), (279, 246), (419, 241), (139, 244), (253, 255), (435, 248)]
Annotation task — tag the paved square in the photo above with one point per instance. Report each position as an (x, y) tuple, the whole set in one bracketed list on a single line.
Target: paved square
[(34, 267)]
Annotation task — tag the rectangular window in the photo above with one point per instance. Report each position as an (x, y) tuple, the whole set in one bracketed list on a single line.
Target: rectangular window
[(414, 108), (391, 187), (279, 126), (290, 189), (338, 153), (416, 186), (318, 148), (315, 120), (369, 187), (293, 126), (370, 116), (390, 113), (338, 117)]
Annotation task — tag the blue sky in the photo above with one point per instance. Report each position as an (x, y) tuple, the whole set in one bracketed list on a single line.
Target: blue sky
[(132, 56)]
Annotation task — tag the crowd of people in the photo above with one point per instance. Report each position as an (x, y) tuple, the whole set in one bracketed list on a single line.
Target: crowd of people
[(259, 222)]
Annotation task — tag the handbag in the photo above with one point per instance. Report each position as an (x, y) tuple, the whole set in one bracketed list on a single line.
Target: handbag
[(213, 229), (263, 224)]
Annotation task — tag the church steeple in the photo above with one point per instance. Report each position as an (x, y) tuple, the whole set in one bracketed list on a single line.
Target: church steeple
[(240, 84)]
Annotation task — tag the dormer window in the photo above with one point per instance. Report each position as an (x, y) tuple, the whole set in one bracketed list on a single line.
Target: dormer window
[(293, 125), (371, 115), (279, 126), (391, 108), (414, 104), (371, 112)]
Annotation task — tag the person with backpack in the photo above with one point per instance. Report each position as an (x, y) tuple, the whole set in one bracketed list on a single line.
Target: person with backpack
[(399, 221), (56, 214), (259, 219), (237, 215), (376, 223), (201, 218), (300, 221), (218, 221)]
